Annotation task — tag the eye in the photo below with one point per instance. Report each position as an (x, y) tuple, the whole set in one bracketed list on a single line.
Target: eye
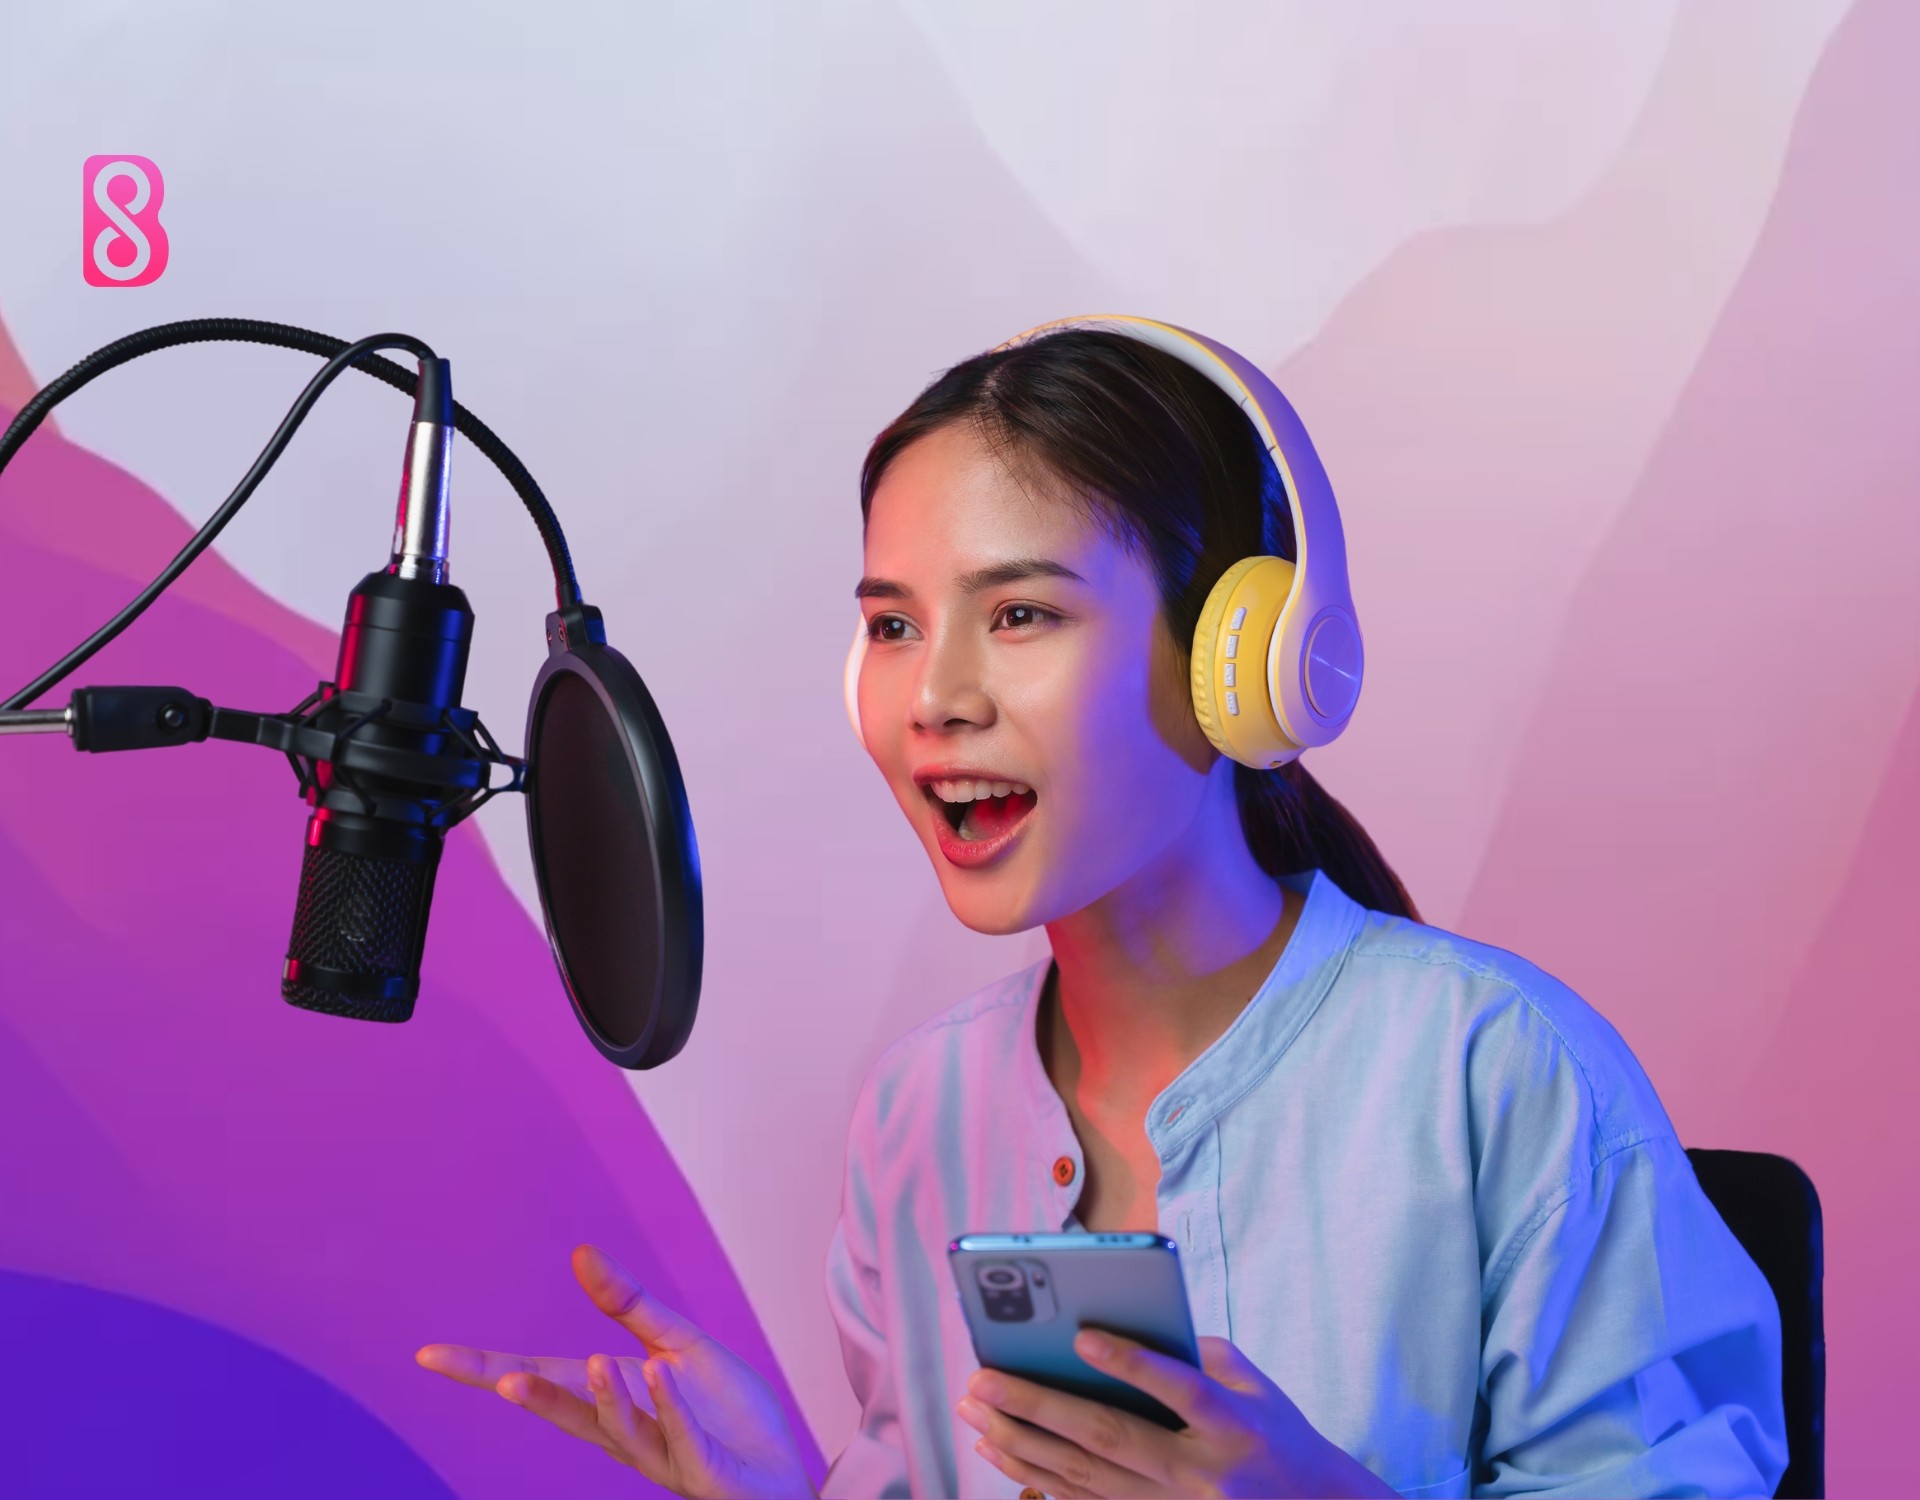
[(888, 628), (1021, 616)]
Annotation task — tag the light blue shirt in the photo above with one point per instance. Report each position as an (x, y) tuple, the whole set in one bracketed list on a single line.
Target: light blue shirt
[(1420, 1183)]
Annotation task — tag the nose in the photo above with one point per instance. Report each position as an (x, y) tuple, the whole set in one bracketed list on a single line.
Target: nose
[(950, 692)]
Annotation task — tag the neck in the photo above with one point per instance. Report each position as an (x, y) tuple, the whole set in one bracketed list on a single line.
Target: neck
[(1150, 975)]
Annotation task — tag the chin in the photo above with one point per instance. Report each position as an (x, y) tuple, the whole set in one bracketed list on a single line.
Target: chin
[(994, 904), (991, 918)]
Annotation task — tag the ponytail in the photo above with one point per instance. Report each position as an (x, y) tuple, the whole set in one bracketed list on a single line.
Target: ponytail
[(1293, 824)]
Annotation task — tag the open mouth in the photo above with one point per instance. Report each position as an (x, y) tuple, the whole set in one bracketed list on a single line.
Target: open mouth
[(980, 811)]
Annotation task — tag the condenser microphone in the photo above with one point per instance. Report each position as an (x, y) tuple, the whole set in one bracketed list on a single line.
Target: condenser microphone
[(389, 761), (373, 840)]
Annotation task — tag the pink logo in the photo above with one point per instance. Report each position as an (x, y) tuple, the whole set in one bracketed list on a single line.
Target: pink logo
[(123, 243)]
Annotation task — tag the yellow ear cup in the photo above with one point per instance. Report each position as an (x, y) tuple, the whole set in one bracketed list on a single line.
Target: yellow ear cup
[(1231, 673), (850, 678), (1314, 661)]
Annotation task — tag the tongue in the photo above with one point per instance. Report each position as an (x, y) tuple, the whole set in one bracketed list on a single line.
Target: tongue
[(989, 817)]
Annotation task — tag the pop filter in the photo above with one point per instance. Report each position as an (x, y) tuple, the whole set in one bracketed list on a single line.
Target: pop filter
[(613, 849)]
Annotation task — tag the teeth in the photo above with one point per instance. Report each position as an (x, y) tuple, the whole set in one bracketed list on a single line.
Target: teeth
[(966, 789)]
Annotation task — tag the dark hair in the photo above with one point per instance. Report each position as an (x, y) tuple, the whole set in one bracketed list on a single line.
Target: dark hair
[(1167, 458)]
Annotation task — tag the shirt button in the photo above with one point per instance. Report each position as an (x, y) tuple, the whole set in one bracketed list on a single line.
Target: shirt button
[(1063, 1171)]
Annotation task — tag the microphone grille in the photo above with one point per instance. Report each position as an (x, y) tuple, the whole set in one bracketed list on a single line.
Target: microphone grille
[(358, 930)]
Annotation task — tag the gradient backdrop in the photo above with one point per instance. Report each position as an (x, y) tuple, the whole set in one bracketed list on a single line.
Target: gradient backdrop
[(1608, 326)]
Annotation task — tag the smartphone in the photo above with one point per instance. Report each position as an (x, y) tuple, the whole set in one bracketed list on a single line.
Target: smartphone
[(1027, 1295)]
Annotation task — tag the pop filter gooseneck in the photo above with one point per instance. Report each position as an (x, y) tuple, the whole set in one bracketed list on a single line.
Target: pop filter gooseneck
[(607, 814)]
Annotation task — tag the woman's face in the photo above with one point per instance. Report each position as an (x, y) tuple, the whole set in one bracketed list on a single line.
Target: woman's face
[(1021, 692)]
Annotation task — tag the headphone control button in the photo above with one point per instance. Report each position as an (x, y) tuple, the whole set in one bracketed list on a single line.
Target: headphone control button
[(1239, 618), (1229, 675), (1233, 703), (1233, 647)]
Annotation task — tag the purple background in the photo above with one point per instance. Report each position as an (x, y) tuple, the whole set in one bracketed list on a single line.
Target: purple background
[(229, 1222), (1603, 320)]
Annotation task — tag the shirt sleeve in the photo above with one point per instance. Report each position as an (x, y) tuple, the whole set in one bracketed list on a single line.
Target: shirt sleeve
[(1631, 1347), (874, 1461)]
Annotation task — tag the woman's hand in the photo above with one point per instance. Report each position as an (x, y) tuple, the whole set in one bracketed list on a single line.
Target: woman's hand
[(1243, 1436), (691, 1415)]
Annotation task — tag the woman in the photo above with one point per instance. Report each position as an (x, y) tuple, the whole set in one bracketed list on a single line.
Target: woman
[(1436, 1229)]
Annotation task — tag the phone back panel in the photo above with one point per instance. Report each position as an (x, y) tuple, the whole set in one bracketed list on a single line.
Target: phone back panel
[(1027, 1295)]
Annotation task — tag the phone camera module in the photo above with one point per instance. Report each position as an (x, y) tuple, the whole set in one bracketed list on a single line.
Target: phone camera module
[(1003, 1293)]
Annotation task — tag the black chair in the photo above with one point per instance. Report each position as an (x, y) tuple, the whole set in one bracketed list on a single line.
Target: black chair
[(1772, 1209)]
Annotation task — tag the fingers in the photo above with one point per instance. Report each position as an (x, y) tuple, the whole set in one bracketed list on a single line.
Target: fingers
[(559, 1406), (593, 1403), (632, 1431), (685, 1438), (455, 1361), (484, 1367), (1023, 1473), (1172, 1382), (1091, 1445), (622, 1298), (1222, 1359)]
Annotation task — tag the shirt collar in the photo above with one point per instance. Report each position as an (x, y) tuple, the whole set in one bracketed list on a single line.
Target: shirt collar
[(1238, 1058)]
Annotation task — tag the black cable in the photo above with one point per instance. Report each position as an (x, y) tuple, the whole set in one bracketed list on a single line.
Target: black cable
[(340, 355), (203, 538), (283, 335)]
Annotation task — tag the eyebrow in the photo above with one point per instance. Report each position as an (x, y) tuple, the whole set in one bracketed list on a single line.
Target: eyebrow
[(974, 582)]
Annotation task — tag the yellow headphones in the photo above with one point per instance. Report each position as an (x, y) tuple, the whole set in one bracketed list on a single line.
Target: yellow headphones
[(1277, 659)]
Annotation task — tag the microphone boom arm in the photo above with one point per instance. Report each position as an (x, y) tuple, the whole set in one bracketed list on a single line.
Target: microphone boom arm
[(103, 719)]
